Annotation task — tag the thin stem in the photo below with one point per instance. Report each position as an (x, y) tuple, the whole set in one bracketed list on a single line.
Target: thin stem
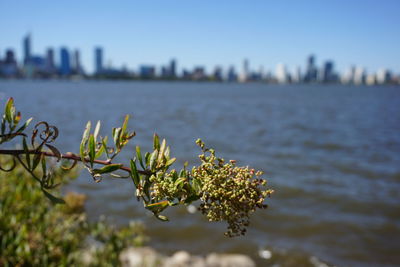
[(68, 156)]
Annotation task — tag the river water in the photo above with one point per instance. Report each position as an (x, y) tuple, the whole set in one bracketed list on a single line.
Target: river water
[(331, 153)]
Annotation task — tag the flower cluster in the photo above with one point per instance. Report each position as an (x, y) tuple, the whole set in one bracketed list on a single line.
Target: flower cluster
[(228, 193)]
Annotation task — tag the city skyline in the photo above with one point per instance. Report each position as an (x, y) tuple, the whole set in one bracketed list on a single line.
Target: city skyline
[(44, 66), (206, 34)]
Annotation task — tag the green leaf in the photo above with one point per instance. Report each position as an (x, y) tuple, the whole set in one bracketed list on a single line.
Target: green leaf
[(8, 110), (166, 153), (125, 124), (134, 174), (158, 207), (23, 127), (139, 156), (116, 137), (153, 159), (108, 168), (85, 136), (92, 149), (96, 130), (53, 199), (147, 158), (170, 162), (86, 132), (156, 142), (104, 144)]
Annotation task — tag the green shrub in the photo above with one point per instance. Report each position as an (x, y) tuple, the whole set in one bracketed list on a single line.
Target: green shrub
[(33, 231)]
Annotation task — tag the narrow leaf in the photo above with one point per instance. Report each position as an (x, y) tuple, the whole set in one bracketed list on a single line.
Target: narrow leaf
[(92, 148), (107, 168), (158, 207), (7, 111), (23, 127), (96, 130), (134, 174), (139, 156), (156, 142), (125, 124), (153, 159), (53, 199), (170, 162)]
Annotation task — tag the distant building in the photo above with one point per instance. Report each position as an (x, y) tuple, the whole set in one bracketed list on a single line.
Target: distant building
[(327, 73), (172, 68), (98, 55), (348, 77), (27, 49), (50, 59), (360, 76), (232, 76), (9, 66), (198, 73), (297, 76), (65, 65), (217, 75), (383, 76), (311, 70), (147, 72), (281, 73), (77, 67), (244, 75)]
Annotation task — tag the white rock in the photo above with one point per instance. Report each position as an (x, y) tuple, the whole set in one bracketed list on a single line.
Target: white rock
[(140, 257), (184, 259), (229, 260)]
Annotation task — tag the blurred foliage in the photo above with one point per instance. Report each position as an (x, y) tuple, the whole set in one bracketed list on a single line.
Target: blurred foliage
[(36, 232)]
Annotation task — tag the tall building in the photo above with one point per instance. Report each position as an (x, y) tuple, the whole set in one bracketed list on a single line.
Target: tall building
[(50, 60), (217, 75), (77, 63), (244, 75), (98, 55), (281, 73), (311, 70), (327, 73), (65, 65), (172, 68), (27, 49), (232, 76)]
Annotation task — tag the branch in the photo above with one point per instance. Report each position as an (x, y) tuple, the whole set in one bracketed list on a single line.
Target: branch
[(68, 156)]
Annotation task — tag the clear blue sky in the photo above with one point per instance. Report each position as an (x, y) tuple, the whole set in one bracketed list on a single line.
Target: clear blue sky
[(210, 32)]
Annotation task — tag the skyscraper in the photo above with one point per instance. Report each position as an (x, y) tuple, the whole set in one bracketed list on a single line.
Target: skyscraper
[(281, 73), (50, 59), (327, 72), (27, 48), (244, 76), (98, 55), (311, 70), (172, 68), (77, 62), (65, 66)]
